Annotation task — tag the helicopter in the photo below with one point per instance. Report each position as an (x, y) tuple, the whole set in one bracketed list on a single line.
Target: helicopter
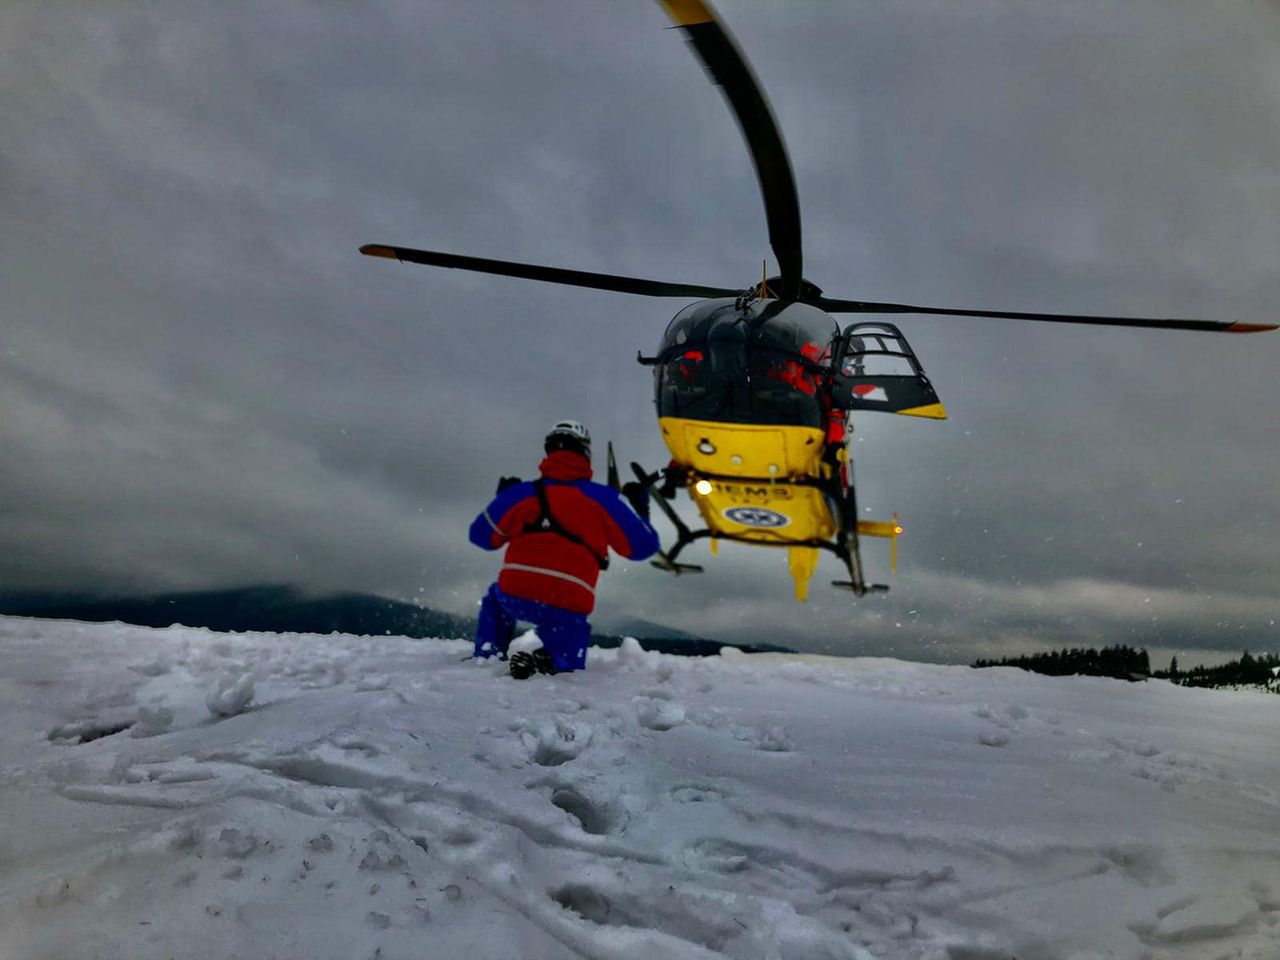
[(754, 387)]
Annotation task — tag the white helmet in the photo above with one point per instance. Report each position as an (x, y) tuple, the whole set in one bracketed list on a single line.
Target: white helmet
[(568, 435)]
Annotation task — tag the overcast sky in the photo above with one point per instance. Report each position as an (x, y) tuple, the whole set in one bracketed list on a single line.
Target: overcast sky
[(202, 384)]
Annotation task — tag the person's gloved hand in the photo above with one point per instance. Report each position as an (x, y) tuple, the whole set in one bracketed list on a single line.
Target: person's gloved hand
[(505, 482), (637, 495)]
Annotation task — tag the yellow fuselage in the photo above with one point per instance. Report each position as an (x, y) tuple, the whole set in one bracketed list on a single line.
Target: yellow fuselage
[(758, 483)]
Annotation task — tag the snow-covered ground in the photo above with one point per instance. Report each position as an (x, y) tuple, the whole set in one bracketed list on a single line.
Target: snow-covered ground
[(351, 797)]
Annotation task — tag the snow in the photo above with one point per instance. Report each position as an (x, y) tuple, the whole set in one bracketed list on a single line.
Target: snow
[(232, 696), (182, 793)]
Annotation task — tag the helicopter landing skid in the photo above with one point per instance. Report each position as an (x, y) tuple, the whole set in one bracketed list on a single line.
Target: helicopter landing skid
[(684, 536), (664, 561), (863, 589)]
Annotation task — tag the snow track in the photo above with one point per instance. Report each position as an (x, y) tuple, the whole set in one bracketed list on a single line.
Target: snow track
[(382, 798)]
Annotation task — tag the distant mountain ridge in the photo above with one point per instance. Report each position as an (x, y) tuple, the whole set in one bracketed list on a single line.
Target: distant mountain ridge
[(641, 629), (270, 609), (285, 609)]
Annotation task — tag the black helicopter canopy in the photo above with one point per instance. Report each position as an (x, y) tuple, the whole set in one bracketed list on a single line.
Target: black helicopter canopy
[(727, 68), (763, 363)]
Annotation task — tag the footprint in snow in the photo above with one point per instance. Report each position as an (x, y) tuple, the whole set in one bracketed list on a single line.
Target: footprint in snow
[(595, 818), (771, 739), (659, 714), (86, 731), (553, 742), (716, 856), (1007, 717), (1198, 919), (695, 793), (1139, 748)]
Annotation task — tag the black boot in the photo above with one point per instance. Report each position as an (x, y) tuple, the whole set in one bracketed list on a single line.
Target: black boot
[(524, 665)]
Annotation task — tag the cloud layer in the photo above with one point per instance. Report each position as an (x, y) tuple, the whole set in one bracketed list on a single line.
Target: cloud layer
[(203, 384)]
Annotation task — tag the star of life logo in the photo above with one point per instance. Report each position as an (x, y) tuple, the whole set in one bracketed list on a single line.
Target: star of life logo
[(756, 517)]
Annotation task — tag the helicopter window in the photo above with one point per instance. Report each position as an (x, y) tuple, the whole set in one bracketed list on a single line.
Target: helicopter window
[(877, 365), (876, 355), (805, 372), (718, 365), (727, 356), (768, 387), (689, 365), (785, 388)]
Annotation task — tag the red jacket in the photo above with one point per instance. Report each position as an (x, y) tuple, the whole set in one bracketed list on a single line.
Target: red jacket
[(549, 567)]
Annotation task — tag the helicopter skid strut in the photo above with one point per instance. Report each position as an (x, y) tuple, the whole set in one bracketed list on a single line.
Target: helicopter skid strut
[(666, 558)]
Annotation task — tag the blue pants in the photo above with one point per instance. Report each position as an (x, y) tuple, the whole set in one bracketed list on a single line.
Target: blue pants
[(564, 634)]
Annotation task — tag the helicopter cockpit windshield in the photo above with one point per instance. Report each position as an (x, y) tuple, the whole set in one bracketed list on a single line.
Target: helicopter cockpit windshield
[(765, 364)]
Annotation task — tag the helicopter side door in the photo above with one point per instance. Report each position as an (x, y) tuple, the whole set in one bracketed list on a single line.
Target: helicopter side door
[(878, 370)]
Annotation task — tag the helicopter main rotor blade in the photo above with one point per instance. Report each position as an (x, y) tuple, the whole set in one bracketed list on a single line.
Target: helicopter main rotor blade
[(531, 271), (1163, 323), (728, 68)]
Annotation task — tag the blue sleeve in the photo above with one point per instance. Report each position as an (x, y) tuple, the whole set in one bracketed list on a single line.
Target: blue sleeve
[(487, 531), (633, 536)]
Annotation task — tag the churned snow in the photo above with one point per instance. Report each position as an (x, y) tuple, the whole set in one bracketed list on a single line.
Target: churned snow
[(180, 793)]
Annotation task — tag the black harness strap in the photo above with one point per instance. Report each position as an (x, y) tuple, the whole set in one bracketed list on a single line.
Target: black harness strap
[(547, 523)]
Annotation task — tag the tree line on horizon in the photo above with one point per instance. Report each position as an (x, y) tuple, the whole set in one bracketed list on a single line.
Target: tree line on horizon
[(1121, 662), (1126, 663), (1248, 671)]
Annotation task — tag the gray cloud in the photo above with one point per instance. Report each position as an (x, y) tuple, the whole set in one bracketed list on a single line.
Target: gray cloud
[(203, 384)]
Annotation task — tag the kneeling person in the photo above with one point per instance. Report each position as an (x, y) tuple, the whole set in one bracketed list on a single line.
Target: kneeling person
[(558, 531)]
